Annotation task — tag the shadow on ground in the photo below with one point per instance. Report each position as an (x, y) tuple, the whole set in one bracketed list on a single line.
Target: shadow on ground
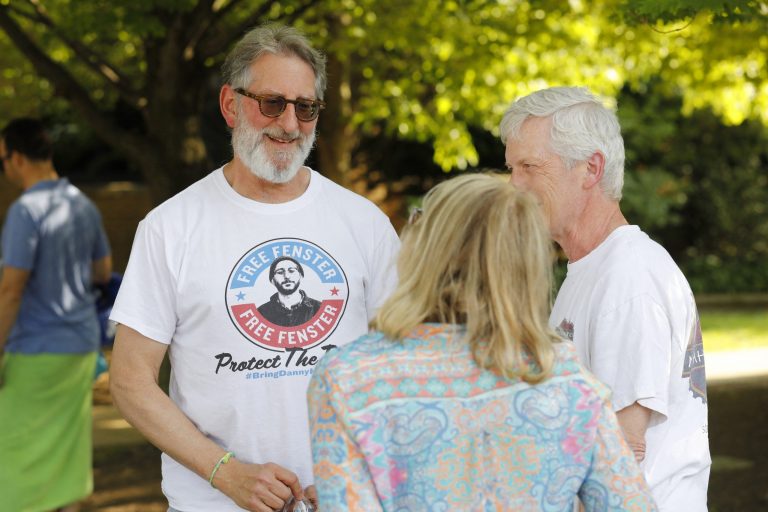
[(738, 437), (127, 479)]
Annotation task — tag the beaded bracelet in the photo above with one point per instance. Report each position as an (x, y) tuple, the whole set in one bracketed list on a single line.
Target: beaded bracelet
[(222, 460)]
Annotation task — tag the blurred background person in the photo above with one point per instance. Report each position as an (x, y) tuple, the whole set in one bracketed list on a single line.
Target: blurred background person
[(462, 398), (54, 249)]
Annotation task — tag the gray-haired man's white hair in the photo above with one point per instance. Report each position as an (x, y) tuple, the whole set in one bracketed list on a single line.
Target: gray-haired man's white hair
[(581, 125)]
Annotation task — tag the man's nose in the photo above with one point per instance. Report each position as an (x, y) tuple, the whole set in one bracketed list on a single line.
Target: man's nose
[(288, 120), (516, 178)]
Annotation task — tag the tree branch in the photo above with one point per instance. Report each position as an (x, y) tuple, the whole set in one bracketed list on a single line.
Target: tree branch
[(205, 15), (670, 31), (93, 60), (129, 143), (220, 13), (198, 21), (225, 36), (23, 13), (220, 39)]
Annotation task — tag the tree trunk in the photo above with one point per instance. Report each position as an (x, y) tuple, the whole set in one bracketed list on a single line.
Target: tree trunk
[(336, 136), (177, 156)]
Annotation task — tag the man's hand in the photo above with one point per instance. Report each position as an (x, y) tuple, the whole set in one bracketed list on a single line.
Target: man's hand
[(136, 362), (634, 421), (257, 487)]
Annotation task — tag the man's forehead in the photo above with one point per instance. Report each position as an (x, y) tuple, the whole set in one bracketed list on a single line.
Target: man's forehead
[(534, 125), (287, 263), (519, 149), (531, 138), (269, 61)]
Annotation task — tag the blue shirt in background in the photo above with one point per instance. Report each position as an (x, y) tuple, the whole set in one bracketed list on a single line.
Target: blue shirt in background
[(54, 231)]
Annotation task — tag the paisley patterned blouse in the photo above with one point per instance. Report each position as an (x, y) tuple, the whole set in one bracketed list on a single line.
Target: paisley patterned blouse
[(417, 426)]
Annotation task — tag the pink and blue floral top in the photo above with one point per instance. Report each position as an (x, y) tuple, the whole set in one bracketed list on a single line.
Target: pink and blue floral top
[(418, 426)]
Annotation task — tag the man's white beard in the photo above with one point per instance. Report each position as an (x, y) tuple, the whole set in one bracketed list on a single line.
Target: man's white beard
[(250, 146)]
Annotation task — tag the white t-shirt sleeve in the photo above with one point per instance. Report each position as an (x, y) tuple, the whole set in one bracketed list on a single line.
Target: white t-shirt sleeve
[(146, 301), (383, 269), (630, 352)]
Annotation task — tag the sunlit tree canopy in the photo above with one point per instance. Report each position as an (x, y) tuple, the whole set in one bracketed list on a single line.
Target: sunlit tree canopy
[(426, 70)]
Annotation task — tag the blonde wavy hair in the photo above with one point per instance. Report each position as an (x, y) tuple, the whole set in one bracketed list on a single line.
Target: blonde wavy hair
[(479, 255)]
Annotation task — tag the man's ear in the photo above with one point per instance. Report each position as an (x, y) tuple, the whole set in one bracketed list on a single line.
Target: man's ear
[(595, 169), (227, 104), (17, 159)]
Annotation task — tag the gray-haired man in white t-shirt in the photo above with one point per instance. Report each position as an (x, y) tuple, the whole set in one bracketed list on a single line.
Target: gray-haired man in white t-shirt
[(624, 302), (234, 431)]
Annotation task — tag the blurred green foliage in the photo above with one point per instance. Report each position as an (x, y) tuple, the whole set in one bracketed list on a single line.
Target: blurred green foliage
[(644, 11), (700, 187), (424, 70)]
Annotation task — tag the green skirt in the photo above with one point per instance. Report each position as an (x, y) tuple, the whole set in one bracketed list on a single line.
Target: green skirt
[(45, 430)]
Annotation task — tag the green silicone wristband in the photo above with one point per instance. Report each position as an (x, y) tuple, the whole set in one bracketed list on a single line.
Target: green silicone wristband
[(222, 460)]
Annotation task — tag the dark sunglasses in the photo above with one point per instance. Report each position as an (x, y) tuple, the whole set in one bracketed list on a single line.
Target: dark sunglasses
[(273, 105)]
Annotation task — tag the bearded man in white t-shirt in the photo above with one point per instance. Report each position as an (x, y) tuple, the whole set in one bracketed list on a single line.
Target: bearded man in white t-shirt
[(234, 431), (624, 303)]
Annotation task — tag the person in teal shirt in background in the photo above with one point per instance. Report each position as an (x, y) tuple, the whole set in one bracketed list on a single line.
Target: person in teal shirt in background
[(54, 249)]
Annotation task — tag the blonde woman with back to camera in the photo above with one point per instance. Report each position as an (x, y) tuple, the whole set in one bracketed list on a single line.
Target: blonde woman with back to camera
[(461, 398)]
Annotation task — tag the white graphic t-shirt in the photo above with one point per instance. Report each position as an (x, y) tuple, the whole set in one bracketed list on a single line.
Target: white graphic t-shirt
[(632, 316), (250, 296)]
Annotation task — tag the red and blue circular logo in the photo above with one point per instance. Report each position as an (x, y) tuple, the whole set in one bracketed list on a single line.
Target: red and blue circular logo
[(286, 293)]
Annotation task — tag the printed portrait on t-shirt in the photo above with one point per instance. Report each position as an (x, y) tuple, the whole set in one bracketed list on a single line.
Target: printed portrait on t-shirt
[(290, 305), (286, 294)]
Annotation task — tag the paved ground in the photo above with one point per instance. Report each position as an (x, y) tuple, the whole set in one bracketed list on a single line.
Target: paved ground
[(127, 468), (736, 364)]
